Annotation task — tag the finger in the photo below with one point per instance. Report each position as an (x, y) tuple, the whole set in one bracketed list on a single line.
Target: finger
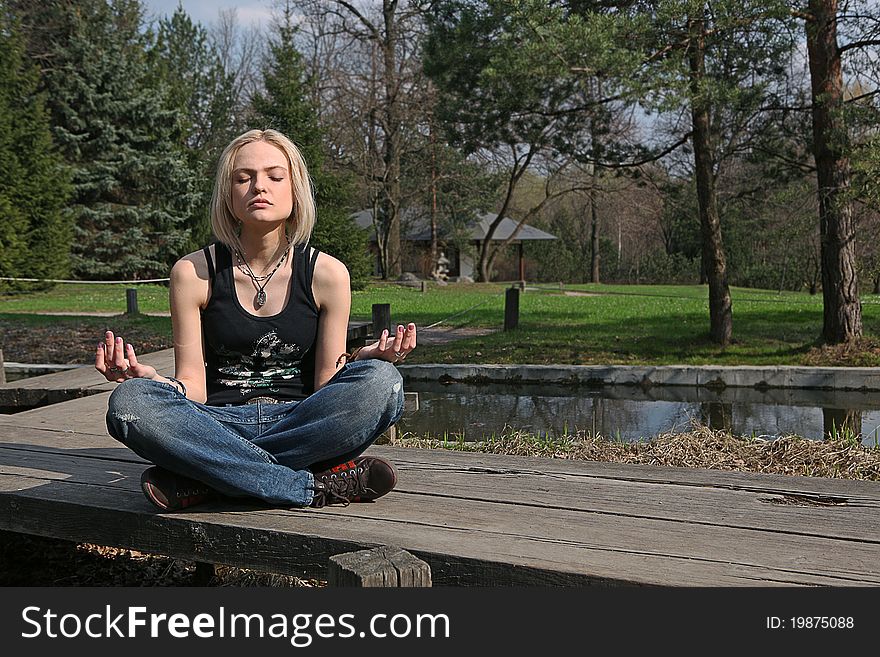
[(383, 340), (109, 343), (132, 359), (409, 339), (119, 354), (100, 364), (398, 338)]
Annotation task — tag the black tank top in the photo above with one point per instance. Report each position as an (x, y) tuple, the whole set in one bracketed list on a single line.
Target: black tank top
[(248, 356)]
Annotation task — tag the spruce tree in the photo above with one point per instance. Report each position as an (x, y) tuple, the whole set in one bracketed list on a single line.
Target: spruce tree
[(185, 61), (132, 189), (34, 232), (285, 106)]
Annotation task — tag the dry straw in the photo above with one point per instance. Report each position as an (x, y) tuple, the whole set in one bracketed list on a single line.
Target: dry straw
[(842, 458)]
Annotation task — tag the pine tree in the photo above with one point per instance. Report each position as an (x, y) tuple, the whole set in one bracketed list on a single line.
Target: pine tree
[(34, 232), (285, 107), (132, 188)]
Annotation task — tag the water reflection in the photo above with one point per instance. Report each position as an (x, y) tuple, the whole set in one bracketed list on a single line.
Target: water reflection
[(632, 413)]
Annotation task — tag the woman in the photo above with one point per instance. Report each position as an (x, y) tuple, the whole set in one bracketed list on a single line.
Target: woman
[(265, 402)]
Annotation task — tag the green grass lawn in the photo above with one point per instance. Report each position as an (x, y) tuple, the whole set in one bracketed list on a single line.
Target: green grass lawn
[(582, 324)]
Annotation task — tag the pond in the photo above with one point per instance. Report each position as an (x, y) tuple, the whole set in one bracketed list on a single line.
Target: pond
[(632, 413)]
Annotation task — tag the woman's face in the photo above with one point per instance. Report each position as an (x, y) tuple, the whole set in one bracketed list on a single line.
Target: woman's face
[(261, 187)]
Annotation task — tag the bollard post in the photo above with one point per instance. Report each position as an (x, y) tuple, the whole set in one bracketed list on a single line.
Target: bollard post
[(385, 566), (2, 369), (381, 318), (424, 286), (131, 301), (511, 308)]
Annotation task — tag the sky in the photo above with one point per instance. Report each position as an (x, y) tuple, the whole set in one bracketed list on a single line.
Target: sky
[(206, 11)]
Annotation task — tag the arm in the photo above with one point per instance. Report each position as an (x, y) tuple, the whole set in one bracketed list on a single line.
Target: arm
[(188, 294), (332, 289), (117, 361)]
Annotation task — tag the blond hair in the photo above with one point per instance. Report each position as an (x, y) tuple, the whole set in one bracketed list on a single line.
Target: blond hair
[(299, 224)]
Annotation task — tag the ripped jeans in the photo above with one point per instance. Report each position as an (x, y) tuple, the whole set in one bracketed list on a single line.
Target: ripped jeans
[(261, 450)]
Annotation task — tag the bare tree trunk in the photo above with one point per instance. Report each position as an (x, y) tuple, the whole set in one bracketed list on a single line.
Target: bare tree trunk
[(840, 289), (594, 229), (594, 194), (486, 251), (391, 200), (720, 307)]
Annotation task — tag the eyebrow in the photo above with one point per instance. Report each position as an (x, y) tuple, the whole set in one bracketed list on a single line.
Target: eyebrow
[(246, 170)]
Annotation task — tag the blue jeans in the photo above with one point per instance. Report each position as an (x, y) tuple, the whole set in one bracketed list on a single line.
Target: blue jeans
[(261, 450)]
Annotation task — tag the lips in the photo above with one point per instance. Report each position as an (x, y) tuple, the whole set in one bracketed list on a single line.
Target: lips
[(259, 202)]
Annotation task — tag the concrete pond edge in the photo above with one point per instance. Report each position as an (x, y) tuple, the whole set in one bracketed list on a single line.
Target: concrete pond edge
[(865, 379)]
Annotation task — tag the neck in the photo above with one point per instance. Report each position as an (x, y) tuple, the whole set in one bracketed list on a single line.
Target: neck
[(263, 249)]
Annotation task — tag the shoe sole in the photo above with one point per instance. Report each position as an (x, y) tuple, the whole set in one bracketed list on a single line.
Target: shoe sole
[(151, 495)]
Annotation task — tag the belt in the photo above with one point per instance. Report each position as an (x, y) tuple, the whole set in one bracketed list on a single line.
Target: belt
[(264, 400)]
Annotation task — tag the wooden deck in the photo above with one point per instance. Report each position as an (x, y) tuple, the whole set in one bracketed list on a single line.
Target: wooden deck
[(477, 519)]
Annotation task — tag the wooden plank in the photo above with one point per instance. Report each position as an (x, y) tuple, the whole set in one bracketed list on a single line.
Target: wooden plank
[(86, 378), (748, 509), (51, 439), (83, 413), (782, 503), (576, 546), (725, 479), (300, 542)]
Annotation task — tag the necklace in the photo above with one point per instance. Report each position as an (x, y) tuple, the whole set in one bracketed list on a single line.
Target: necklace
[(256, 280)]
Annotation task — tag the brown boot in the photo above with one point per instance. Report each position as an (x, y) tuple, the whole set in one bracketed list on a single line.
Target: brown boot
[(361, 480)]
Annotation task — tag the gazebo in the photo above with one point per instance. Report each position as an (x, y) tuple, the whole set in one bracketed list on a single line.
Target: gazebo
[(414, 230)]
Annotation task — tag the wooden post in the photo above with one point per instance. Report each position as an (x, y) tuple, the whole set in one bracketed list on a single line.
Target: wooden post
[(511, 308), (522, 264), (410, 405), (381, 318), (424, 286), (384, 566), (2, 369), (131, 301)]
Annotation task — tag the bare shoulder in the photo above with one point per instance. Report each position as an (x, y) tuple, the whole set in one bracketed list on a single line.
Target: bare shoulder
[(330, 272), (189, 276), (330, 280), (192, 266)]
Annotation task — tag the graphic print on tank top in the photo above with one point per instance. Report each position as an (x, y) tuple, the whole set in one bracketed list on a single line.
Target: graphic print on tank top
[(272, 360)]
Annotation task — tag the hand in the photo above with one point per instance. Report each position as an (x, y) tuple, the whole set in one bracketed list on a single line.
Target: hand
[(111, 361), (393, 349)]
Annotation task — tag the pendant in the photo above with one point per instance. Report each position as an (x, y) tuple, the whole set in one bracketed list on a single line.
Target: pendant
[(261, 298)]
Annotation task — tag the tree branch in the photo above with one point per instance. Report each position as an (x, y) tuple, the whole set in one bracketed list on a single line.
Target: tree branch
[(360, 17), (858, 44), (652, 158)]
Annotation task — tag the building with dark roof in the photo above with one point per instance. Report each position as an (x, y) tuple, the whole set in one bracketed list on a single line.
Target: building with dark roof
[(415, 235)]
